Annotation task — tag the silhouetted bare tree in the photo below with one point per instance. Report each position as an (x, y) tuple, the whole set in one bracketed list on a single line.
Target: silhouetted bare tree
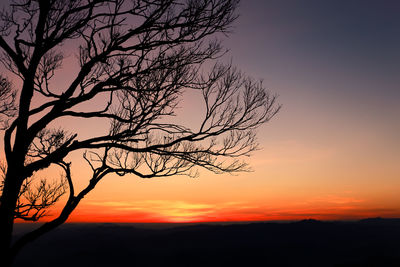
[(136, 60)]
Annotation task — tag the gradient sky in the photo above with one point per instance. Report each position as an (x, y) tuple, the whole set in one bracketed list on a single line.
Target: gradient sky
[(333, 151)]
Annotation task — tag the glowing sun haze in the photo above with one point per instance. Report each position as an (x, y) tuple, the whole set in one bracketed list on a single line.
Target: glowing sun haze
[(333, 151)]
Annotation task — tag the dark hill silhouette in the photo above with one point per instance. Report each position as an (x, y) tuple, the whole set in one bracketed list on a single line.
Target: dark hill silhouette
[(371, 242)]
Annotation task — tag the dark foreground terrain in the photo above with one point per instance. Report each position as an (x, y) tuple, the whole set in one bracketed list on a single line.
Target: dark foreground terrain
[(371, 242)]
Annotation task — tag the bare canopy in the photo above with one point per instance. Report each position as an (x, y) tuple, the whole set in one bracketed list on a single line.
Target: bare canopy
[(137, 60)]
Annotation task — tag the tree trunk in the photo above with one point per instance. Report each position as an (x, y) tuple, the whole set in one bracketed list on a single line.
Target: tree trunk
[(12, 185)]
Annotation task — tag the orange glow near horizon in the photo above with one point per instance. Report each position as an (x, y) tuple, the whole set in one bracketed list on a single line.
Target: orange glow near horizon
[(327, 208)]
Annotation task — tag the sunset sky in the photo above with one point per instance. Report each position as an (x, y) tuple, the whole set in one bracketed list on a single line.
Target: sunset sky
[(332, 152)]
